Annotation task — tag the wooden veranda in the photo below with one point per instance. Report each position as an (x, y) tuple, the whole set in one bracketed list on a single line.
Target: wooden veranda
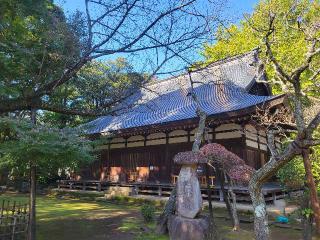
[(271, 191)]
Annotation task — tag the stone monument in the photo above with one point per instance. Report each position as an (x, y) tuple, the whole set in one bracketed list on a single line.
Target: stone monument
[(187, 224)]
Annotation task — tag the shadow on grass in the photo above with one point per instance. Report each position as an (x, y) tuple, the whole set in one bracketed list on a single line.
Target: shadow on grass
[(81, 229), (74, 219)]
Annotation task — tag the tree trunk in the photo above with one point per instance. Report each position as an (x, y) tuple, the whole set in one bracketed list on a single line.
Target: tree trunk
[(32, 197), (169, 209), (224, 192), (214, 235), (255, 187), (199, 136), (307, 219), (32, 203), (312, 188), (261, 227), (235, 218), (307, 227)]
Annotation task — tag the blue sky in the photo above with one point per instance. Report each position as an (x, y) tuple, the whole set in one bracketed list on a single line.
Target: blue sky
[(234, 10), (237, 7)]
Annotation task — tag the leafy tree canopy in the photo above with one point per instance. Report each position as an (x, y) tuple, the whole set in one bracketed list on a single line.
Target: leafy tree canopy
[(295, 22), (36, 44), (49, 148), (99, 85)]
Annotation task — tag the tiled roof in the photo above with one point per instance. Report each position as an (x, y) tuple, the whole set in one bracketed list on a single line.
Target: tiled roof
[(221, 87)]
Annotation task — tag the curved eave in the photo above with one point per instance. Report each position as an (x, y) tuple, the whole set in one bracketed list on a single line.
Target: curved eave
[(231, 116)]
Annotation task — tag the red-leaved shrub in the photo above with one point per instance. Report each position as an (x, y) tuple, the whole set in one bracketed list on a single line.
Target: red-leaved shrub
[(233, 165)]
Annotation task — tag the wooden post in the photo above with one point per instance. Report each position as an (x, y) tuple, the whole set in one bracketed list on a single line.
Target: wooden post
[(221, 198), (145, 140), (209, 189), (244, 143), (168, 172), (274, 197), (126, 142), (137, 189), (14, 227)]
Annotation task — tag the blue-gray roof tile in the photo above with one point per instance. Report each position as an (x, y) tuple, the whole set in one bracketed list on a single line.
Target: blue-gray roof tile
[(221, 87)]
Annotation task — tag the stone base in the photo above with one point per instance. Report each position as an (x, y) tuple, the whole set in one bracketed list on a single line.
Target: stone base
[(113, 191), (181, 228)]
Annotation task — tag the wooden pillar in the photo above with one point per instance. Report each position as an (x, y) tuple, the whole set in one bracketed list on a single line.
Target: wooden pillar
[(274, 197), (167, 160), (221, 199), (108, 156), (145, 140), (244, 145), (102, 165), (136, 189), (213, 133), (126, 142)]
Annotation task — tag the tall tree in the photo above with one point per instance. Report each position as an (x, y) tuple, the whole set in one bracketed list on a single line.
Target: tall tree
[(51, 148), (96, 84), (50, 50), (39, 151), (289, 34), (36, 45)]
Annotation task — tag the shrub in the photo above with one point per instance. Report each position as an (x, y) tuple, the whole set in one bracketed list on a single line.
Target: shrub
[(148, 212), (292, 175)]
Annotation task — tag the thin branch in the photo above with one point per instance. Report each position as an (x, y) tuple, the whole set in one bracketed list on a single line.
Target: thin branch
[(89, 43), (315, 75), (312, 52), (278, 68), (313, 125), (124, 17)]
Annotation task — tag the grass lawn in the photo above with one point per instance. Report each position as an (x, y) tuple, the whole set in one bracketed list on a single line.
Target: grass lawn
[(68, 219), (75, 219)]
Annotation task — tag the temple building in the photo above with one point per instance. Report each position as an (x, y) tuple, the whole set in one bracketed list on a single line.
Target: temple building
[(160, 120)]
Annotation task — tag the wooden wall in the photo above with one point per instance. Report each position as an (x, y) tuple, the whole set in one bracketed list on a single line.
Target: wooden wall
[(152, 155)]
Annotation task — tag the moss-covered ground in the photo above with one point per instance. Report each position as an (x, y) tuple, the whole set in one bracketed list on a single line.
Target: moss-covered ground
[(61, 217)]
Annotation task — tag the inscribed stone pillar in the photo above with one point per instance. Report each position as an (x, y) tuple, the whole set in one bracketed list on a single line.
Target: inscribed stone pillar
[(187, 224), (189, 199)]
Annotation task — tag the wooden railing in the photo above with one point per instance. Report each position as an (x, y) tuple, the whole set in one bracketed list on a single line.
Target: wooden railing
[(13, 220), (202, 180), (164, 189)]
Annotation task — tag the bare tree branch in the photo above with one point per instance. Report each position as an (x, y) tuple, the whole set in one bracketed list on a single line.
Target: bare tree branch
[(278, 68), (312, 52), (129, 27)]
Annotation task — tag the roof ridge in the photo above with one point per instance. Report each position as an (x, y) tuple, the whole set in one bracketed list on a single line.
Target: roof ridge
[(212, 64), (231, 58)]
